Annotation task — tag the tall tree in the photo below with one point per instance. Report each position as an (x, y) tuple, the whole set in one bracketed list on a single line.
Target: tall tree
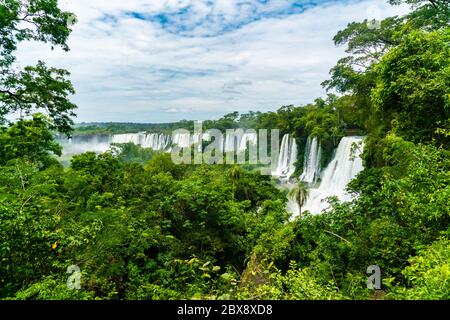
[(412, 94), (37, 88), (427, 14)]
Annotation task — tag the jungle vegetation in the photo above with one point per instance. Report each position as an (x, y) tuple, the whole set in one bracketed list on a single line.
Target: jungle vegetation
[(140, 227)]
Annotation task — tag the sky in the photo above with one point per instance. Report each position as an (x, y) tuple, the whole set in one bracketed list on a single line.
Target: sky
[(153, 61)]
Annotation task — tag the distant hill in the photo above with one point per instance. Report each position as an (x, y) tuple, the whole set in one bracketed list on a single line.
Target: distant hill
[(89, 128)]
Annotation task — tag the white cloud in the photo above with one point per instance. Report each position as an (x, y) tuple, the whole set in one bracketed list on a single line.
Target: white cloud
[(128, 69)]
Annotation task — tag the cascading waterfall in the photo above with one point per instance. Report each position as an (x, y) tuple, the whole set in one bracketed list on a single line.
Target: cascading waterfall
[(127, 138), (237, 140), (292, 158), (155, 141), (183, 140), (286, 159), (197, 140), (229, 142), (345, 165), (159, 142), (311, 162), (248, 137)]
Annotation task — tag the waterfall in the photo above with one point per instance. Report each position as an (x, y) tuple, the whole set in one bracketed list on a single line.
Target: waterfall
[(127, 138), (286, 159), (231, 142), (250, 137), (311, 162), (237, 140), (345, 165), (292, 158), (83, 143), (197, 139), (155, 141), (183, 140)]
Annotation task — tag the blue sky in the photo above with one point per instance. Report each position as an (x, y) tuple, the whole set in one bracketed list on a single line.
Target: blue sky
[(167, 60)]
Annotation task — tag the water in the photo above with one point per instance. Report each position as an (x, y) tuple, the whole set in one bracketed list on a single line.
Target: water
[(156, 141), (229, 142), (292, 158), (183, 140), (311, 162), (334, 178), (247, 137), (127, 138), (286, 159), (340, 171), (81, 144)]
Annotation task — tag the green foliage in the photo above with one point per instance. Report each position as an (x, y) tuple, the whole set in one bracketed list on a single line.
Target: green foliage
[(28, 139), (295, 284), (29, 219), (140, 227), (52, 289), (428, 274), (129, 152), (109, 128), (39, 87), (413, 86), (427, 14)]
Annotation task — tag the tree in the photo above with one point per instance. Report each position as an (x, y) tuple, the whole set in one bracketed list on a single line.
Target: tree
[(300, 194), (366, 45), (412, 93), (30, 140), (37, 88), (235, 174), (427, 14)]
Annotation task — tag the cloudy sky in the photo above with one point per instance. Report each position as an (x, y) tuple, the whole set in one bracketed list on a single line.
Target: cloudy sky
[(167, 60)]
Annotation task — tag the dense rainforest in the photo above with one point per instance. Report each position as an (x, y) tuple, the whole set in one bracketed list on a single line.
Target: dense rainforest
[(139, 226)]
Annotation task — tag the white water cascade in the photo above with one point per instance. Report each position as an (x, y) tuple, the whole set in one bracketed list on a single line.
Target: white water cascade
[(238, 140), (345, 165), (311, 162), (247, 137), (183, 140), (230, 142), (286, 159), (127, 138), (155, 141)]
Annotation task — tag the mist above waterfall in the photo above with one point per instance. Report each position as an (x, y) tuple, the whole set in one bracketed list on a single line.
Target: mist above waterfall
[(81, 144)]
